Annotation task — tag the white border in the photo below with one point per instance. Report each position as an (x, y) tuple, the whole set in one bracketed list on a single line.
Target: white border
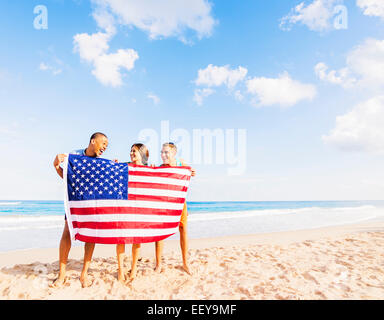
[(66, 200)]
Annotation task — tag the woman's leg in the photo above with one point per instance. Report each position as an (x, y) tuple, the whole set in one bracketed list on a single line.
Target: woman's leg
[(159, 253), (120, 252), (135, 258)]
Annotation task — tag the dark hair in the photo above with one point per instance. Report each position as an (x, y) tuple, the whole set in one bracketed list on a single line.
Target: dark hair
[(143, 152), (97, 134)]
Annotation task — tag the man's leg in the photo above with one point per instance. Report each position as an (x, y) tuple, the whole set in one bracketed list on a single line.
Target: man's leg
[(65, 246), (120, 251), (88, 252), (159, 253)]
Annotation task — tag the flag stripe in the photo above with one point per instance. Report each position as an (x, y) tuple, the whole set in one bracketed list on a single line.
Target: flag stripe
[(135, 197), (175, 182), (157, 192), (125, 218), (161, 186), (111, 233), (125, 225), (126, 203), (155, 170), (159, 175), (124, 210), (120, 240)]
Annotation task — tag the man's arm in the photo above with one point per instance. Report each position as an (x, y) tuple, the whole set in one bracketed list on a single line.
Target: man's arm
[(56, 163)]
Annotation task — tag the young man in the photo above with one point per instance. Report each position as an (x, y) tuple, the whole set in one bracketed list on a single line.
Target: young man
[(168, 156), (98, 143)]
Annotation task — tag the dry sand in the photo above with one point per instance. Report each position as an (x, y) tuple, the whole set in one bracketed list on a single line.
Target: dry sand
[(344, 262)]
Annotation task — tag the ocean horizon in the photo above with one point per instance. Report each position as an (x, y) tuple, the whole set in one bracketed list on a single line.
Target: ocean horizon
[(26, 224)]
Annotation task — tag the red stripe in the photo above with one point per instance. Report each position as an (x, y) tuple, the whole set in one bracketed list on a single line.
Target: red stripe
[(131, 165), (124, 225), (162, 186), (159, 175), (125, 210), (144, 197), (120, 240)]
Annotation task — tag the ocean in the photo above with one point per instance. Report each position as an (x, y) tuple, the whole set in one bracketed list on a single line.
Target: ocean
[(39, 224)]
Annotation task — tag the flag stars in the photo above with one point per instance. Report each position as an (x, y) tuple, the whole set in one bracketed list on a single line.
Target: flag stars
[(95, 179)]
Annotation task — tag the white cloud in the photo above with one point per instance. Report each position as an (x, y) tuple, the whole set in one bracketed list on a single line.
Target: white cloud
[(372, 7), (214, 76), (107, 67), (154, 98), (361, 129), (316, 15), (104, 19), (159, 18), (282, 91), (341, 77), (164, 18), (91, 46), (238, 95), (45, 67), (200, 94), (364, 67)]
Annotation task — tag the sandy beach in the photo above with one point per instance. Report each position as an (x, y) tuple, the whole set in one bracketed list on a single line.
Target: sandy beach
[(343, 262)]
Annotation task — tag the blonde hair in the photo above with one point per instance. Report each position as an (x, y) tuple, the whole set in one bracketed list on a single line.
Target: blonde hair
[(170, 145)]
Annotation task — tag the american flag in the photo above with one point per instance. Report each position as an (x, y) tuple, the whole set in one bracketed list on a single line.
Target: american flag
[(111, 203)]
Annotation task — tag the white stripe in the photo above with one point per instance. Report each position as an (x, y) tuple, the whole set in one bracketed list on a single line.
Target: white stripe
[(124, 218), (126, 203), (182, 171), (176, 182), (117, 233), (157, 192)]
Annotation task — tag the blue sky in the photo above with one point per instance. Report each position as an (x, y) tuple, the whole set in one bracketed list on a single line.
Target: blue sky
[(51, 101)]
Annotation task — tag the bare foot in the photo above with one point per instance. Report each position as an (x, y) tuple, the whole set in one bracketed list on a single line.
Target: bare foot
[(85, 281), (159, 268), (121, 277), (132, 274), (57, 283), (187, 269)]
